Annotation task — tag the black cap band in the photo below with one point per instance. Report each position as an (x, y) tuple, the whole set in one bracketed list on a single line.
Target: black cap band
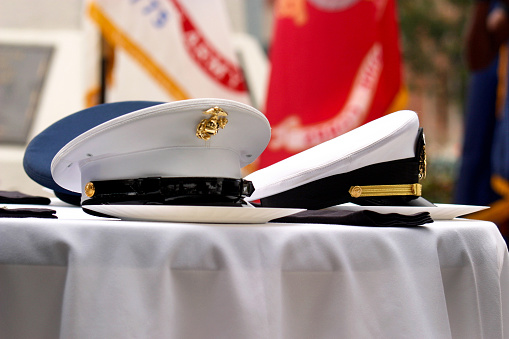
[(169, 191)]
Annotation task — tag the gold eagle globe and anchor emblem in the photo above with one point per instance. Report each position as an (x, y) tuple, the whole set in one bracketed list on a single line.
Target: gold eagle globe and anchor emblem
[(209, 127)]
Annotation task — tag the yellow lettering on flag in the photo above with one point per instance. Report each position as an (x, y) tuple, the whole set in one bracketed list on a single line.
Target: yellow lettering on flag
[(294, 9)]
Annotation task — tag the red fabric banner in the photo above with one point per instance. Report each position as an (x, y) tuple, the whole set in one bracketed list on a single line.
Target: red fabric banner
[(336, 65)]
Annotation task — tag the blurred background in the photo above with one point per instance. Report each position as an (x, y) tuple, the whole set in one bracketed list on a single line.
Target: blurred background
[(60, 56)]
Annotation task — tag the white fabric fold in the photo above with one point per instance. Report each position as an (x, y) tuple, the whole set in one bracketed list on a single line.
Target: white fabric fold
[(99, 278)]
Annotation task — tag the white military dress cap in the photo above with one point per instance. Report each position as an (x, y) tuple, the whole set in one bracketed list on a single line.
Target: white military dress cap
[(187, 152), (379, 163)]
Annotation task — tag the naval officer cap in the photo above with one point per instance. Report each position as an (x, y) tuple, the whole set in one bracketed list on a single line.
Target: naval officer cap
[(187, 152), (379, 163), (44, 146)]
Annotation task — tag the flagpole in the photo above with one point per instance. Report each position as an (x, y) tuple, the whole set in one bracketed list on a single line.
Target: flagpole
[(106, 67)]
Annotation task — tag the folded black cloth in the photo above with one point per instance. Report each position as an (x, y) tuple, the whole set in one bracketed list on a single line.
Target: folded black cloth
[(357, 218), (15, 197), (27, 213)]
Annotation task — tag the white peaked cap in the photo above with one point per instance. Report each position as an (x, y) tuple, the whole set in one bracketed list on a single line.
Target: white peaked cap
[(390, 138), (161, 141)]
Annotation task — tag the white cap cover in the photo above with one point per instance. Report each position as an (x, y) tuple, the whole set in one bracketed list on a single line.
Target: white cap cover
[(162, 141)]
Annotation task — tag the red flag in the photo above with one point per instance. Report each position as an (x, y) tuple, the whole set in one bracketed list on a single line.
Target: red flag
[(336, 65)]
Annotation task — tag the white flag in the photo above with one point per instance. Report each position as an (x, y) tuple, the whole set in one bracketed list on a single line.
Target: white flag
[(184, 46)]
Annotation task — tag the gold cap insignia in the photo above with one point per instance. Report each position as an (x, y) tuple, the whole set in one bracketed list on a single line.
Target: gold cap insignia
[(89, 189), (209, 127)]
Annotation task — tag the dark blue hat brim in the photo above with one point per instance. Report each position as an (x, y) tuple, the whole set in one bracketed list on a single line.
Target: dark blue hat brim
[(43, 147)]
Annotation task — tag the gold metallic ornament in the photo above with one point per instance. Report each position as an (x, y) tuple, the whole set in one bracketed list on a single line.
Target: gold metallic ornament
[(355, 191), (385, 190), (89, 189), (209, 127), (422, 163)]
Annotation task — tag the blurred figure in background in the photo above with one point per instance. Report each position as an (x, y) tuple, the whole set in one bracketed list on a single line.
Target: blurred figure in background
[(484, 171)]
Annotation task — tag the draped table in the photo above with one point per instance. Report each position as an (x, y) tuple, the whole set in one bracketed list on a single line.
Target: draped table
[(87, 277)]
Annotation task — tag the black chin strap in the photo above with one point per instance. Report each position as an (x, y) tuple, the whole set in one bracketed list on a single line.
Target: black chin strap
[(169, 191)]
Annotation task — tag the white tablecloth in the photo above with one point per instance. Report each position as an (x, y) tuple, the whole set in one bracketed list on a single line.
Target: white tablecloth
[(79, 277)]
